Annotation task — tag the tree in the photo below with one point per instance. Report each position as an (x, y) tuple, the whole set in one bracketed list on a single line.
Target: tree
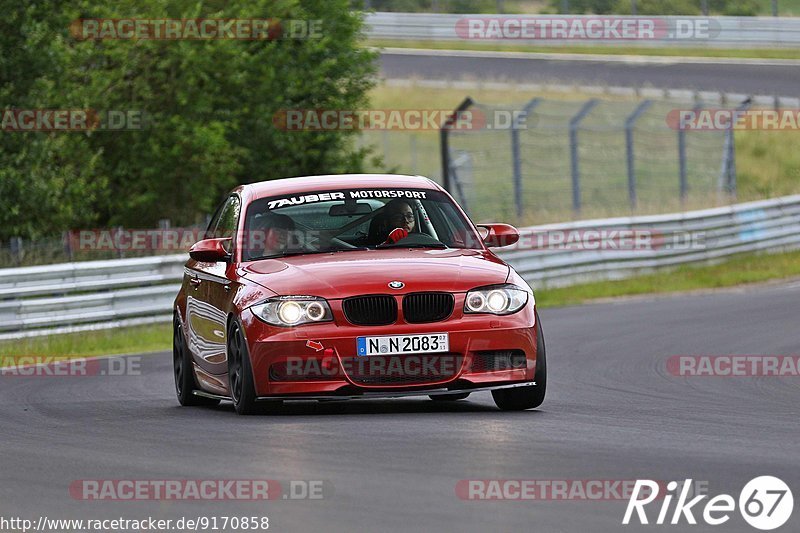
[(208, 105)]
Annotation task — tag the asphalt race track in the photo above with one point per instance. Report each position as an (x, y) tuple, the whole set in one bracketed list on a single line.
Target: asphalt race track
[(613, 413), (768, 78)]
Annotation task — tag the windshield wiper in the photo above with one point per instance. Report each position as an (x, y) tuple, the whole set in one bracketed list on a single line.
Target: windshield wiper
[(307, 252), (438, 246)]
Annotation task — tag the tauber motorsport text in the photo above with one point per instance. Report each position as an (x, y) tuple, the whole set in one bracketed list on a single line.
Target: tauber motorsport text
[(324, 197), (765, 503)]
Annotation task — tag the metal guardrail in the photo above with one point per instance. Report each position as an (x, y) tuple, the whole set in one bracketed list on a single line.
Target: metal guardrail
[(675, 239), (726, 32), (101, 294), (86, 295)]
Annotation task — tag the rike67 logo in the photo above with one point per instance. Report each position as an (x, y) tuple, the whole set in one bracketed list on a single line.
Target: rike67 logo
[(765, 503)]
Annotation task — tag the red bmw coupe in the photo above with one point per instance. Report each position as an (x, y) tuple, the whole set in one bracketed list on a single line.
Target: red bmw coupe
[(353, 286)]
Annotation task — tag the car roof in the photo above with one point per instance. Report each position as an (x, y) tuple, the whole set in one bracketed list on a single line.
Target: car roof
[(305, 184)]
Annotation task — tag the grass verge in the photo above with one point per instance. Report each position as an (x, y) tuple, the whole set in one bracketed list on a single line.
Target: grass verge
[(138, 339), (676, 51), (740, 270)]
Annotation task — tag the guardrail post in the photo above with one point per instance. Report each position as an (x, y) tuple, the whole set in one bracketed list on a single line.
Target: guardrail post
[(629, 123), (444, 141), (574, 123), (515, 153)]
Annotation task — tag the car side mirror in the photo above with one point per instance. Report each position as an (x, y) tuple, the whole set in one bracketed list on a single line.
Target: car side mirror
[(210, 250), (498, 235)]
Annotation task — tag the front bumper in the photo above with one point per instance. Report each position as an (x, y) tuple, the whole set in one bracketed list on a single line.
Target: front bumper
[(332, 346)]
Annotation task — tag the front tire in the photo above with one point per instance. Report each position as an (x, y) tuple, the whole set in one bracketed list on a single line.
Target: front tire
[(183, 371), (240, 375), (521, 398)]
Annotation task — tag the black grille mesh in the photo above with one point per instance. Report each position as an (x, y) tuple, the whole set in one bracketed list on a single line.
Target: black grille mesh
[(427, 307), (499, 360), (376, 310)]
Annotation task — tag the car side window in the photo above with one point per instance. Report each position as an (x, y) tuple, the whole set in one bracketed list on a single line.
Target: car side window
[(227, 220)]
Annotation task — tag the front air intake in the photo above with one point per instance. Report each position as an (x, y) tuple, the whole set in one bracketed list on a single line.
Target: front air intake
[(378, 310), (425, 307)]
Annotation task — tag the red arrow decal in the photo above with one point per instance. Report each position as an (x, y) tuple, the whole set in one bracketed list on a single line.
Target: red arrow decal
[(315, 345)]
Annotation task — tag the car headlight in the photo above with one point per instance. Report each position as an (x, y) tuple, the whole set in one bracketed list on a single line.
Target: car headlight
[(293, 310), (496, 300)]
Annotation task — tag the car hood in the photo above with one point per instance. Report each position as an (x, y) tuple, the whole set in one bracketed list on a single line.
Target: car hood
[(344, 274)]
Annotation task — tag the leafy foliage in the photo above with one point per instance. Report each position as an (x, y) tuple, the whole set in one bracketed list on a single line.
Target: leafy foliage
[(209, 107)]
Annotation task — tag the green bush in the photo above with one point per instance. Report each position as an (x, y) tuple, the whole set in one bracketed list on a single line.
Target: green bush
[(210, 106)]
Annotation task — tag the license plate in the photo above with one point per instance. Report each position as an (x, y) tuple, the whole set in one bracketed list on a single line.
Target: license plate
[(403, 344)]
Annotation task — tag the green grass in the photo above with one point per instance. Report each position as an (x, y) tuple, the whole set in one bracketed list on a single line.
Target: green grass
[(767, 163), (739, 270), (139, 339), (674, 51)]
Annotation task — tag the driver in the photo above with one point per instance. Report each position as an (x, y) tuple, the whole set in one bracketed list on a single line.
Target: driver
[(273, 232), (398, 222)]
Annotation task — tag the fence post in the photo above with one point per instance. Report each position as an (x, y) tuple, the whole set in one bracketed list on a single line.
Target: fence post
[(117, 241), (515, 152), (462, 159), (629, 123), (682, 170), (15, 245), (684, 186), (728, 174), (444, 141), (67, 241), (574, 123)]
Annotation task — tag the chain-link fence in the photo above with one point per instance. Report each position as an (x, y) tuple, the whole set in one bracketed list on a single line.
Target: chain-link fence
[(98, 244), (563, 159)]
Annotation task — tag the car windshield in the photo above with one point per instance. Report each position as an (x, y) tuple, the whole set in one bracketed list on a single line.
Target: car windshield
[(354, 219)]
